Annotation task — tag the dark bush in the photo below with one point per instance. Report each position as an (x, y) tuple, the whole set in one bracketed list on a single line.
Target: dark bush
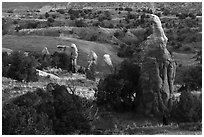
[(100, 18), (24, 121), (32, 25), (119, 34), (118, 91), (47, 15), (192, 15), (43, 62), (54, 111), (21, 67), (15, 22), (72, 17), (61, 11), (74, 13), (5, 26), (130, 16), (182, 16), (80, 23), (120, 9), (192, 77), (10, 11), (107, 15), (61, 60), (54, 16), (6, 60), (50, 20), (125, 51), (93, 38), (111, 26), (128, 9), (188, 108)]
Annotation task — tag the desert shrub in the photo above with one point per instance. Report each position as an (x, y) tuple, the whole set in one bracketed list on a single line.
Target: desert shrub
[(60, 60), (42, 63), (47, 15), (107, 15), (54, 16), (93, 33), (21, 67), (15, 22), (73, 14), (61, 11), (130, 16), (24, 121), (93, 38), (118, 91), (32, 25), (119, 34), (192, 77), (125, 51), (120, 8), (50, 21), (100, 18), (128, 9), (5, 26), (188, 108), (54, 111), (187, 49), (6, 60), (80, 23)]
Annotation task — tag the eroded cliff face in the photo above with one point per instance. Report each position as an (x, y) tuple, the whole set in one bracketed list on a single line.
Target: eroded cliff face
[(158, 72)]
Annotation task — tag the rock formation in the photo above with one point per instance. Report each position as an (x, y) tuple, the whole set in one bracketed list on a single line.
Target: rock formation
[(157, 72), (91, 67)]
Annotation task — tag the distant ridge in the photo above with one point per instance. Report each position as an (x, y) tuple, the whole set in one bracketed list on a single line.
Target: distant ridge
[(30, 5)]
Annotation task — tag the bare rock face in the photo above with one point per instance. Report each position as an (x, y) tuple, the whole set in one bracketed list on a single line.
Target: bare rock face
[(158, 72)]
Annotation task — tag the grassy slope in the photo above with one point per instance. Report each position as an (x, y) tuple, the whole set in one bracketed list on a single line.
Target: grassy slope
[(6, 5), (185, 59), (37, 43)]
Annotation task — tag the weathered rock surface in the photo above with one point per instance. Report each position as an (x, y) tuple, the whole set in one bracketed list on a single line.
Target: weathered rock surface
[(158, 72)]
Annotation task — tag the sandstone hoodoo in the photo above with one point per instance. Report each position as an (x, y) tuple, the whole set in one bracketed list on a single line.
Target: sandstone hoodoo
[(157, 71)]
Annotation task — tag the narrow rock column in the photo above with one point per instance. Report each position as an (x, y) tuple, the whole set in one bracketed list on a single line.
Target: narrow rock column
[(157, 72)]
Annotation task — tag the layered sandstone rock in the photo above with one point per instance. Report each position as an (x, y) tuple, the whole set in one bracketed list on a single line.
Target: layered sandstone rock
[(158, 72)]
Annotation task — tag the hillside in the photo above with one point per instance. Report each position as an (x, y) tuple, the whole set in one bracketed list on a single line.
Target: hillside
[(8, 5), (37, 43)]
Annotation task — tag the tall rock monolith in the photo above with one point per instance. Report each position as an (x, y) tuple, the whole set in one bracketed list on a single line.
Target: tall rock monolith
[(157, 72)]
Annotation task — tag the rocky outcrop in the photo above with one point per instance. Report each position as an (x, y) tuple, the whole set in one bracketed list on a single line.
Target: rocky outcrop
[(157, 72)]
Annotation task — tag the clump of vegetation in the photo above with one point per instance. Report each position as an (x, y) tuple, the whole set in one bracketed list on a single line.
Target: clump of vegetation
[(193, 77), (190, 76), (189, 108), (125, 51), (19, 66), (51, 111), (118, 91), (61, 60), (43, 62), (24, 121), (80, 23), (6, 60)]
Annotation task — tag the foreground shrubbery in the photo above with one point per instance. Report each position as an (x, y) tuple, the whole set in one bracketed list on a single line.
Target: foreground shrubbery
[(61, 60), (189, 108), (190, 76), (21, 67), (54, 111), (193, 77), (118, 91), (18, 66)]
